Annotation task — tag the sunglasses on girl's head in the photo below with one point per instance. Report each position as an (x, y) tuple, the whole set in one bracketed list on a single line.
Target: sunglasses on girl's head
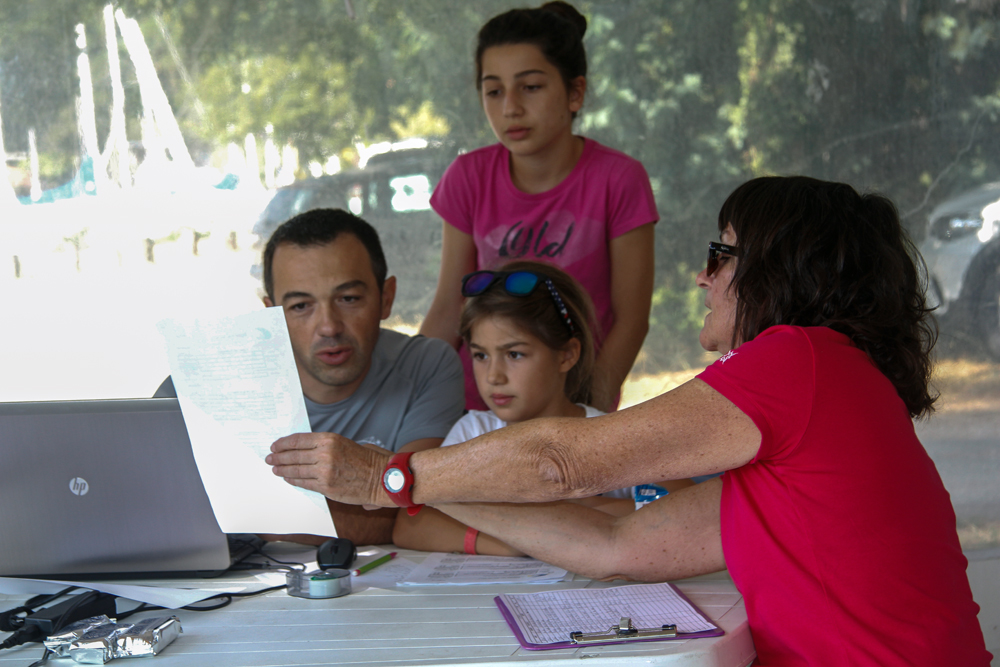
[(716, 249), (515, 283)]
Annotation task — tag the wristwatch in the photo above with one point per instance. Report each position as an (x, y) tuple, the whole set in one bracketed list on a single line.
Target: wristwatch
[(397, 480)]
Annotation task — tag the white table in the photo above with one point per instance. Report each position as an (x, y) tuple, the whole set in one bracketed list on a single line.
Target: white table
[(440, 625)]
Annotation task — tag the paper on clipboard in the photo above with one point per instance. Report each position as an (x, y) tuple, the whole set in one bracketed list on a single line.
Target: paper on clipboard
[(545, 620), (239, 391)]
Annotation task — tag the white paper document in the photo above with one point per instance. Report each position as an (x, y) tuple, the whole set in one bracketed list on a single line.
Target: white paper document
[(387, 575), (239, 391), (458, 569)]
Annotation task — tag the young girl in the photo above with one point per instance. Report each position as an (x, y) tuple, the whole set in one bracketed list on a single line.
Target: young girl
[(544, 193), (528, 328)]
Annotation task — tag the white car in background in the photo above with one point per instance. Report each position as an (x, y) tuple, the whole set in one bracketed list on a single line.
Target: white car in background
[(962, 253), (393, 194)]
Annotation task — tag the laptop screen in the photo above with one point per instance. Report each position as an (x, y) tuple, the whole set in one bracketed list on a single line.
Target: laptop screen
[(102, 487)]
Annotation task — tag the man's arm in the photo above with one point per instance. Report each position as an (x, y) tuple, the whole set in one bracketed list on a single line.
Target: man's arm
[(362, 526), (353, 522), (431, 530)]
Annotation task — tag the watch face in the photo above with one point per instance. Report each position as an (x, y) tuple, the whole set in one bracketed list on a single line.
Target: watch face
[(394, 480)]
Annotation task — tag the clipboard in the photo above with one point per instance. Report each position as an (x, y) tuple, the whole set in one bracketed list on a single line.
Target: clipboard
[(526, 613)]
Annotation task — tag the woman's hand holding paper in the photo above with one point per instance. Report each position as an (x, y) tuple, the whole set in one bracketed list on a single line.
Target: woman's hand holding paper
[(335, 466)]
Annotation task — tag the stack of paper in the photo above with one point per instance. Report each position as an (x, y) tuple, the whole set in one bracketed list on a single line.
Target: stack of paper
[(458, 569)]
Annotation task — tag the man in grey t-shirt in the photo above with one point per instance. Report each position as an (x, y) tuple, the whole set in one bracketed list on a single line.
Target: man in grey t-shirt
[(326, 270)]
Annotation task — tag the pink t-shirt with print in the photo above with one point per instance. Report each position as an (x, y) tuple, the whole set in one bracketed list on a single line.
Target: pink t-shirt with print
[(571, 226)]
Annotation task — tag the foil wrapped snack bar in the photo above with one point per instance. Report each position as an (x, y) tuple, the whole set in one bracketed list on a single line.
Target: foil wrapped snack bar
[(146, 637), (95, 647), (103, 643), (58, 644)]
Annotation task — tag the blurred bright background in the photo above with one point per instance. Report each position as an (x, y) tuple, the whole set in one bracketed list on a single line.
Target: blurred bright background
[(151, 145)]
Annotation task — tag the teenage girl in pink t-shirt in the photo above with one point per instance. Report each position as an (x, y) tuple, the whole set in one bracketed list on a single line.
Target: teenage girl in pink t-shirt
[(545, 194)]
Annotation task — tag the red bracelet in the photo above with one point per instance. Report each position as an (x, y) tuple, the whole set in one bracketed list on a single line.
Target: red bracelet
[(470, 541)]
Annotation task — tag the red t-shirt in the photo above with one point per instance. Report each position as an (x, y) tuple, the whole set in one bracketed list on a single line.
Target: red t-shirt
[(839, 533)]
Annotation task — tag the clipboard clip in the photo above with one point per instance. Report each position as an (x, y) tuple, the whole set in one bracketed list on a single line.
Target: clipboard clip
[(623, 632)]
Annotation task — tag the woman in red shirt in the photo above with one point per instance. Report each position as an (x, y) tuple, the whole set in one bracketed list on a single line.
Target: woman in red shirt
[(831, 517)]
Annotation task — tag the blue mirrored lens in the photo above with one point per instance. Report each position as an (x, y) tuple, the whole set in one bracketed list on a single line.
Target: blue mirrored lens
[(478, 282), (520, 283)]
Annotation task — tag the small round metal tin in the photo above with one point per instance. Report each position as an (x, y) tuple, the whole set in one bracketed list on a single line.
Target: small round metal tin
[(319, 584)]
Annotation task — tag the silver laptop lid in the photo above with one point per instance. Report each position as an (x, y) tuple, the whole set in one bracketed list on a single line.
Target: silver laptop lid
[(102, 487)]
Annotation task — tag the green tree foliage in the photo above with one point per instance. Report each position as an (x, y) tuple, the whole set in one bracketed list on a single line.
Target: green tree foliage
[(899, 96), (38, 83), (308, 97)]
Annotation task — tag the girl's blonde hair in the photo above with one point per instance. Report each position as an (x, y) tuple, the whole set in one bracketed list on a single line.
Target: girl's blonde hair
[(537, 314)]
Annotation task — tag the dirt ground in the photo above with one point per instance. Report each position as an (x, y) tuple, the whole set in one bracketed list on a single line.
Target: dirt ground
[(968, 413), (965, 386)]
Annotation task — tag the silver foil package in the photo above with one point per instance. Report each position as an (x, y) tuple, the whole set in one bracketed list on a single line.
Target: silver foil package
[(95, 647), (104, 643), (58, 644), (146, 637)]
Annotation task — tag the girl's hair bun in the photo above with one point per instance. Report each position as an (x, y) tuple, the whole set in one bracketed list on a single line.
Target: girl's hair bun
[(568, 12)]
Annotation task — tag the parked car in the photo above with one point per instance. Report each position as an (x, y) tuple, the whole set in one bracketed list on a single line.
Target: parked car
[(392, 193), (962, 253)]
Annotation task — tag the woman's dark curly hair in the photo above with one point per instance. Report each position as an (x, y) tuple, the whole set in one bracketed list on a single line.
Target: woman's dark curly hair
[(537, 314), (816, 253)]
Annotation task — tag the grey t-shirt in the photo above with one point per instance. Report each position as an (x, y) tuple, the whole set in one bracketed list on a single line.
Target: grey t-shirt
[(414, 389)]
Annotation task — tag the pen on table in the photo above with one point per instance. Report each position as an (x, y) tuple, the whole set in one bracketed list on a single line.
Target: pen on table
[(375, 563)]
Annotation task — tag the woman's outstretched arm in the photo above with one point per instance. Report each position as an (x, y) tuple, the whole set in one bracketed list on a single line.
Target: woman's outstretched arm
[(691, 430), (674, 537)]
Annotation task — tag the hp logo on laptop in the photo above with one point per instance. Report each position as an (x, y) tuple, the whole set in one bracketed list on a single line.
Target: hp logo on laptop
[(79, 486)]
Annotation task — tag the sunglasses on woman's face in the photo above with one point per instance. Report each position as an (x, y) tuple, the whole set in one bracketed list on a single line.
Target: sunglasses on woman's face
[(515, 283), (717, 250)]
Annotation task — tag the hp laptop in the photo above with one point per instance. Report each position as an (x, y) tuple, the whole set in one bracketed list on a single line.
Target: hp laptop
[(103, 488)]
